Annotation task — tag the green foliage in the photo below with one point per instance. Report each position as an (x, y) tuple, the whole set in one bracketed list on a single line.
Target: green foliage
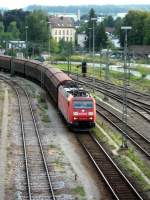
[(66, 48), (13, 30), (139, 21), (147, 30), (79, 190), (54, 45), (17, 15), (109, 21), (100, 35), (37, 27)]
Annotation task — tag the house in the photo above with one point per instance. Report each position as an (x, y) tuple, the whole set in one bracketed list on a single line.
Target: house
[(62, 28)]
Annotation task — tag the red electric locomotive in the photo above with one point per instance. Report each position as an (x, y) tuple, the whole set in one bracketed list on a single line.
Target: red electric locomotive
[(76, 105)]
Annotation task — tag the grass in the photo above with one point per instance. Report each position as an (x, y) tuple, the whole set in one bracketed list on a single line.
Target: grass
[(45, 118), (115, 77), (79, 190)]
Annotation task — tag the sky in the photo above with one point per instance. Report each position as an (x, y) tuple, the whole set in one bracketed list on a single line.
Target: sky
[(12, 4)]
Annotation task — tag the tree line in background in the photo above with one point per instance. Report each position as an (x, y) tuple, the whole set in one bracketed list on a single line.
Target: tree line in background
[(104, 9), (13, 23)]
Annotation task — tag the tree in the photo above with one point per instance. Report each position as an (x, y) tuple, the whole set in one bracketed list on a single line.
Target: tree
[(17, 15), (1, 29), (37, 23), (147, 31), (89, 27), (66, 50), (135, 19), (100, 37), (109, 21), (13, 30), (54, 46)]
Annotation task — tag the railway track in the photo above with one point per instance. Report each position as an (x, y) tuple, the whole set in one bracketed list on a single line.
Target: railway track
[(105, 87), (140, 108), (138, 139), (116, 181), (39, 182), (112, 86)]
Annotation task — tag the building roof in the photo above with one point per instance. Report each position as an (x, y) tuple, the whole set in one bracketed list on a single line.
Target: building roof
[(61, 22), (110, 29), (139, 49)]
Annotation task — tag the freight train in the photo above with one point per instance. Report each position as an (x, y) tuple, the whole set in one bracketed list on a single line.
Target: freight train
[(76, 105)]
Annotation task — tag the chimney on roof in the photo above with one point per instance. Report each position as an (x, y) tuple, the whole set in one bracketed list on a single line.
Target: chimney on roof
[(61, 17)]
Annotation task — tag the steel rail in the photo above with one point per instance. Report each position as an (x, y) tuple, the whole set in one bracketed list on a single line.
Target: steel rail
[(12, 83), (138, 139), (135, 92), (108, 169)]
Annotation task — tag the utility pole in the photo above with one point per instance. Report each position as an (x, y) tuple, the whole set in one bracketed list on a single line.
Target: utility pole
[(49, 23), (93, 19), (125, 83), (12, 63), (90, 40), (26, 29), (107, 72)]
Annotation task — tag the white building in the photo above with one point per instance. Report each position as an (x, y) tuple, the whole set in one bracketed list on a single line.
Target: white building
[(81, 39), (62, 28), (17, 44)]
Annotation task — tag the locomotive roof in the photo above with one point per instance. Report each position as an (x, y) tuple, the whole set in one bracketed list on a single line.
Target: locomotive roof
[(73, 88)]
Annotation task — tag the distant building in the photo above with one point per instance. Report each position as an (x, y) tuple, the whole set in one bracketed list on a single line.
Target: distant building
[(139, 50), (109, 30), (62, 28), (81, 39), (17, 44)]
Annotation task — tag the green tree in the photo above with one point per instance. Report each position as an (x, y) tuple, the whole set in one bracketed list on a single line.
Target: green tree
[(147, 31), (1, 29), (135, 19), (100, 37), (89, 28), (13, 30), (37, 23), (54, 46), (17, 15), (109, 21), (66, 50)]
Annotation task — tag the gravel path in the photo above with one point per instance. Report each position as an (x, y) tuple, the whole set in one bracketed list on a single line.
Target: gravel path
[(3, 145)]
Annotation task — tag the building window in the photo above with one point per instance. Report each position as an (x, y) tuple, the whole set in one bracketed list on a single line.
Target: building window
[(67, 32), (63, 32), (59, 32), (67, 38), (71, 38), (55, 32)]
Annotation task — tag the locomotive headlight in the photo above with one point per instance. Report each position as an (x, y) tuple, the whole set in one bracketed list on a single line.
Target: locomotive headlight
[(75, 113), (90, 113)]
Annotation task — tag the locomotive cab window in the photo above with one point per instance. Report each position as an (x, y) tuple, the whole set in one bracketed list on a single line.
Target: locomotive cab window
[(82, 104)]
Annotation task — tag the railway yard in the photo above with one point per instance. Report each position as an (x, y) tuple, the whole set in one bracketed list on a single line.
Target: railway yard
[(43, 159)]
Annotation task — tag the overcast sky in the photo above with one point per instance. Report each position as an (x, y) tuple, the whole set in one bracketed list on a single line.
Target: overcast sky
[(12, 4)]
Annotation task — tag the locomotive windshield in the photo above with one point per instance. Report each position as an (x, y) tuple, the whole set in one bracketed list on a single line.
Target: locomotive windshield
[(83, 104)]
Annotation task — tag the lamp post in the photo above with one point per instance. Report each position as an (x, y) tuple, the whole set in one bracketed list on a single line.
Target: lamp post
[(89, 40), (26, 29), (49, 47), (125, 82), (94, 20)]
